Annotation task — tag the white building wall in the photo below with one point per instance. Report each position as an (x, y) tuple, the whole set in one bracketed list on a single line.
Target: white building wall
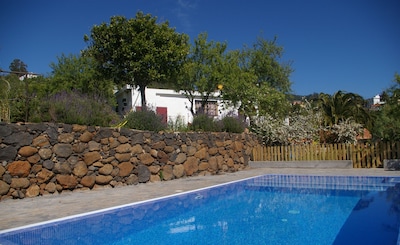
[(377, 99), (176, 103), (29, 75)]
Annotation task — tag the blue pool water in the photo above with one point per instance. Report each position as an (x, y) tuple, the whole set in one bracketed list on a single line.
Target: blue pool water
[(270, 209)]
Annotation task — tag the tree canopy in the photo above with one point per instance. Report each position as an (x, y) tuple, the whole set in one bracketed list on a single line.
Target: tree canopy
[(137, 51), (255, 80), (18, 66), (76, 72), (387, 124), (264, 59), (202, 71), (258, 81)]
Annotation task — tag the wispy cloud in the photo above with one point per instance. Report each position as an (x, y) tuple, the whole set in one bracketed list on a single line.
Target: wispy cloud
[(187, 4), (182, 12)]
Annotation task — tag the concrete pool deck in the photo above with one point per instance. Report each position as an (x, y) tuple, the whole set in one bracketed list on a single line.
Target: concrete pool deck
[(16, 213)]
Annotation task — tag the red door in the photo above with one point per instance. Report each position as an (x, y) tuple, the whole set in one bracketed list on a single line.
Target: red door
[(163, 112)]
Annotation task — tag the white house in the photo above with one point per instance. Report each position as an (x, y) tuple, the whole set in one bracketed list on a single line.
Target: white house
[(168, 103), (28, 75), (377, 100)]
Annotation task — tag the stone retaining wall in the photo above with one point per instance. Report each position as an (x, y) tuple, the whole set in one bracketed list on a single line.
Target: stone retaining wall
[(40, 159)]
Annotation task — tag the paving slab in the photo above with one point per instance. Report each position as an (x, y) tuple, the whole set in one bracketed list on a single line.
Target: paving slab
[(17, 213)]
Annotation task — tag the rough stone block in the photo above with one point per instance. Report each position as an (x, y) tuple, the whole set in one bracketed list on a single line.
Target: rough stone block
[(391, 164), (19, 168)]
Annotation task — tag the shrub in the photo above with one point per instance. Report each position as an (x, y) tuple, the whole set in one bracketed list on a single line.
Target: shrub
[(145, 120), (75, 108), (232, 124), (177, 125), (345, 131), (204, 123)]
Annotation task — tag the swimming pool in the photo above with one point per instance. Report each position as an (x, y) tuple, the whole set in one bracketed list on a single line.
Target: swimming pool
[(269, 209)]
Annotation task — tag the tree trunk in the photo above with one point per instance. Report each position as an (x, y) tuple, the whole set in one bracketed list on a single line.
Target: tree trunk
[(191, 109), (191, 98), (142, 89)]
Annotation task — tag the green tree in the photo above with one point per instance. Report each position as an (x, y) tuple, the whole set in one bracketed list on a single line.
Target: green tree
[(257, 80), (137, 51), (387, 124), (18, 66), (15, 97), (79, 73), (19, 69), (264, 59), (201, 73), (16, 92), (37, 96), (5, 89), (26, 97)]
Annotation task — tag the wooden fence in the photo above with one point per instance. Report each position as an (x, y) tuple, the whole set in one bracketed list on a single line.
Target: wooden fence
[(363, 155)]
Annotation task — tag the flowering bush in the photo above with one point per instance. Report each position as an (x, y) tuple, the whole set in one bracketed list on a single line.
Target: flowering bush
[(346, 131), (302, 127), (75, 108)]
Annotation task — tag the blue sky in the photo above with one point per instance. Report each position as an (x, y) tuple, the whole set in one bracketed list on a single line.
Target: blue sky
[(349, 45)]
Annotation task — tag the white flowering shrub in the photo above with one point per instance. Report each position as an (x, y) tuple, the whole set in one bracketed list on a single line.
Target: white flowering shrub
[(303, 127), (346, 131), (268, 129)]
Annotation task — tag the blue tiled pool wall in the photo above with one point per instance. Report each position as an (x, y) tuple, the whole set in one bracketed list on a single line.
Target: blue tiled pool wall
[(80, 230), (326, 182)]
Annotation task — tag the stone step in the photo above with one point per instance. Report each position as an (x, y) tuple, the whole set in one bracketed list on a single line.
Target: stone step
[(391, 164)]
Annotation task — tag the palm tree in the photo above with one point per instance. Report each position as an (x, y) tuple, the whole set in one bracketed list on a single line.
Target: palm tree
[(342, 106)]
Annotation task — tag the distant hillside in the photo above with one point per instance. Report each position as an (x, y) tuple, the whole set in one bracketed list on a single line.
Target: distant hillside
[(295, 97)]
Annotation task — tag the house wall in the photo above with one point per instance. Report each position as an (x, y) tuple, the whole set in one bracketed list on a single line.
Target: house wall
[(177, 104)]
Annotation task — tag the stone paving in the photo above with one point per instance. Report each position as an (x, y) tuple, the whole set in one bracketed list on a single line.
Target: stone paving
[(16, 213)]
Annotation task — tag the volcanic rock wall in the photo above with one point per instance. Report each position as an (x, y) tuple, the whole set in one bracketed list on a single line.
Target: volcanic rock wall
[(40, 159)]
